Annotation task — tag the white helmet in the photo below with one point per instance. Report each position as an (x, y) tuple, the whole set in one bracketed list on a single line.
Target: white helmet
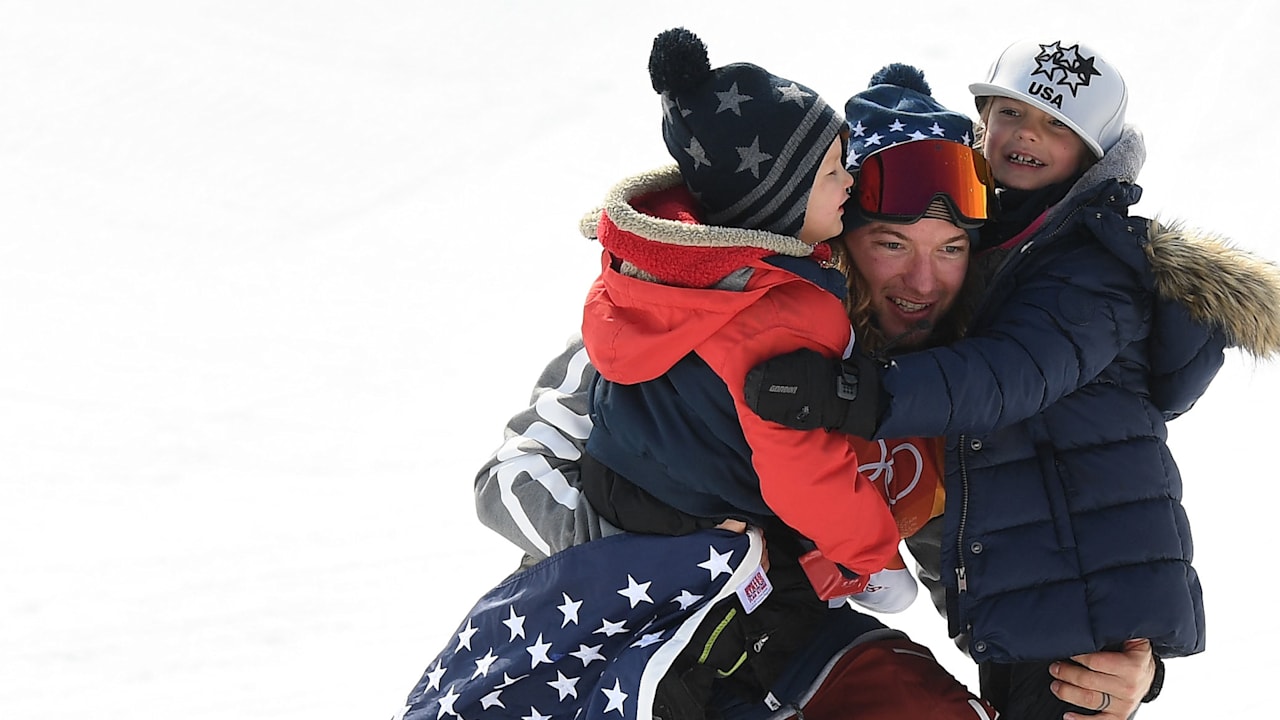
[(1070, 82)]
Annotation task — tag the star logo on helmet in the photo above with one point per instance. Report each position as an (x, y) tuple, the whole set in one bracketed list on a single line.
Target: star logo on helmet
[(1076, 69), (1047, 60), (1081, 72)]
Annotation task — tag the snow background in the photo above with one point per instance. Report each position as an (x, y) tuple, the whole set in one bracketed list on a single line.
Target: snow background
[(273, 275)]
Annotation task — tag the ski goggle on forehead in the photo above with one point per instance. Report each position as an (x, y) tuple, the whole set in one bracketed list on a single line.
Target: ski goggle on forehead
[(899, 183)]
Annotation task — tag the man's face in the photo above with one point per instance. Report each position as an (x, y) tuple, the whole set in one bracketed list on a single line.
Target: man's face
[(913, 273)]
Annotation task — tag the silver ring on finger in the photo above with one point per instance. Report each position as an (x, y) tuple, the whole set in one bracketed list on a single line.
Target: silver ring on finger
[(1106, 702)]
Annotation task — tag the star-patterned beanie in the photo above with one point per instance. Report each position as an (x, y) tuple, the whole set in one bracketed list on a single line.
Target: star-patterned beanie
[(748, 143), (897, 107), (1073, 83)]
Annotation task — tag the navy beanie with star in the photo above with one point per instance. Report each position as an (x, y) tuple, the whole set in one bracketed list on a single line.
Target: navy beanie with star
[(897, 107), (748, 143)]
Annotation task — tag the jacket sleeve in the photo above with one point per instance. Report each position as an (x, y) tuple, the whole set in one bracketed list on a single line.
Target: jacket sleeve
[(810, 479), (1056, 331), (1186, 355), (529, 489)]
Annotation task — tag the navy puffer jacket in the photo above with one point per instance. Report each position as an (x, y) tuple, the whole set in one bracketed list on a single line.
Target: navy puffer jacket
[(1064, 530)]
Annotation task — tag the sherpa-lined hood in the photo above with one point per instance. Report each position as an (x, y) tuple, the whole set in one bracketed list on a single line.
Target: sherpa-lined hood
[(652, 224)]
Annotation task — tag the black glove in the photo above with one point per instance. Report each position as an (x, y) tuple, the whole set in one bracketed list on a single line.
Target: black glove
[(806, 391)]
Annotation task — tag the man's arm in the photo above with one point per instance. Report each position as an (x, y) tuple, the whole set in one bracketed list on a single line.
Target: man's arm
[(528, 490)]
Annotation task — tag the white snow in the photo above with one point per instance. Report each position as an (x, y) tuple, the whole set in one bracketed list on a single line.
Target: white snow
[(274, 274)]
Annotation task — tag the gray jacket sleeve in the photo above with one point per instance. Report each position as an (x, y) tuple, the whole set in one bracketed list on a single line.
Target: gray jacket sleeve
[(528, 491)]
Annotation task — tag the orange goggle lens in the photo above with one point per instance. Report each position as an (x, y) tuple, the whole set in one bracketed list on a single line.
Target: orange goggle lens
[(899, 183)]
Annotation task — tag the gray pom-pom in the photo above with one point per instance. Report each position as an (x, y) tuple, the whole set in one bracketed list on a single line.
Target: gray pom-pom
[(678, 61), (902, 75)]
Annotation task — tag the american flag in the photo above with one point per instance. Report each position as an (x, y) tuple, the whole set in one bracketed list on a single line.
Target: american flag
[(587, 633)]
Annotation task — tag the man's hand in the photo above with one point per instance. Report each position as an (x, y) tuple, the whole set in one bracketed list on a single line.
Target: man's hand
[(1118, 680), (807, 391)]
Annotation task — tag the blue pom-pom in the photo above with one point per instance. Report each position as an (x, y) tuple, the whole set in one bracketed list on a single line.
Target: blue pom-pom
[(678, 61), (903, 75)]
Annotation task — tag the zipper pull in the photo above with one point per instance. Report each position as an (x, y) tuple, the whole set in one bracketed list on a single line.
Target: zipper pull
[(960, 579)]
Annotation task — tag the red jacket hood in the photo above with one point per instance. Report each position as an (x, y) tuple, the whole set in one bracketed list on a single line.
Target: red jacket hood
[(657, 298), (639, 329)]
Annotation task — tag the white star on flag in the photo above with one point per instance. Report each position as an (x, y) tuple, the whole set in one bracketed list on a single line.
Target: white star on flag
[(917, 135), (687, 599), (617, 628), (609, 629), (482, 665), (492, 699), (464, 637), (588, 654), (875, 139), (897, 126), (567, 687), (446, 704), (716, 564), (616, 698), (433, 676), (636, 592), (937, 130), (647, 639), (515, 623), (538, 652), (858, 130), (569, 609)]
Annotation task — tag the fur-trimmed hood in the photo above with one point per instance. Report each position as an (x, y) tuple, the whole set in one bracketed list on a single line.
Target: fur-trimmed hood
[(1221, 285)]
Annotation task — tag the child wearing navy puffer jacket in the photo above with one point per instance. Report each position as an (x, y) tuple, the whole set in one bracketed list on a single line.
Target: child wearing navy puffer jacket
[(1064, 531)]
